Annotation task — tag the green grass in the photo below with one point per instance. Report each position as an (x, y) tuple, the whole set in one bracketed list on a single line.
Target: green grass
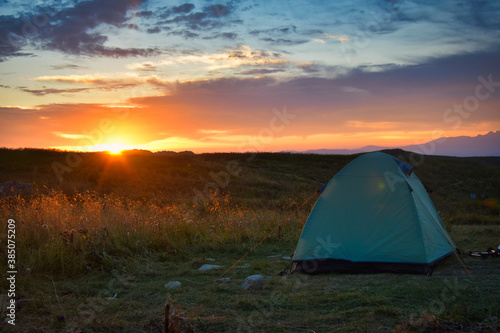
[(128, 225)]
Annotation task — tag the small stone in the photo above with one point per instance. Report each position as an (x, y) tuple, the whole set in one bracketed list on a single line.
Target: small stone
[(207, 267), (275, 256), (286, 258), (244, 266), (253, 282), (173, 284), (112, 298)]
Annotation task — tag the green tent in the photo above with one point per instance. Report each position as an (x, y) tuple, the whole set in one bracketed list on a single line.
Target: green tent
[(373, 216)]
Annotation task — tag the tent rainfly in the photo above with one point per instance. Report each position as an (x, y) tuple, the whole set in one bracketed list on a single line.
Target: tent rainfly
[(373, 216)]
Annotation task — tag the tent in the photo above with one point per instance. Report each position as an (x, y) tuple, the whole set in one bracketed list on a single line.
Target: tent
[(373, 216)]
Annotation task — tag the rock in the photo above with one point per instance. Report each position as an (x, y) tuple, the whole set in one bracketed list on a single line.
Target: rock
[(275, 256), (224, 280), (253, 282), (210, 259), (15, 188), (244, 266), (207, 267), (173, 284), (286, 258), (112, 298)]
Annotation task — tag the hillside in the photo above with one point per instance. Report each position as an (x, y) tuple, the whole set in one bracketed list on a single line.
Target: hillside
[(264, 179), (95, 250)]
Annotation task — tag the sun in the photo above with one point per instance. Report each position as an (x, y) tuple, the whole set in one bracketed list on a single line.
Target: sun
[(115, 149), (111, 148)]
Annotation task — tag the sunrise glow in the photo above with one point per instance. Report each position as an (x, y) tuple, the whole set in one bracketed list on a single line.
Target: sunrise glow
[(229, 77)]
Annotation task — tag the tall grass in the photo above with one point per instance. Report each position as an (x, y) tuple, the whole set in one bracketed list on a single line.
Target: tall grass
[(115, 207), (66, 235)]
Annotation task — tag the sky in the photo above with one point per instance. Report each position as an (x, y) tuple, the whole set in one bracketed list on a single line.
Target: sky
[(234, 76)]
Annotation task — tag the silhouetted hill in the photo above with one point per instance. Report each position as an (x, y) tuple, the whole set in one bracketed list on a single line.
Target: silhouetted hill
[(480, 145), (172, 153), (136, 152)]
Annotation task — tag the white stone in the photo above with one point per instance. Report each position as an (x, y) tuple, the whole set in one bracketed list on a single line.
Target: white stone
[(173, 284), (207, 267), (253, 282)]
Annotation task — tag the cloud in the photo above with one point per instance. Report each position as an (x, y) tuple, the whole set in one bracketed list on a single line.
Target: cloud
[(339, 38), (283, 41), (232, 111), (144, 13), (185, 8), (143, 67), (262, 71), (125, 84), (185, 33), (66, 66), (407, 98), (218, 10), (71, 136), (11, 37), (211, 131), (278, 31), (223, 35), (70, 30), (153, 30), (48, 91), (224, 59), (74, 78), (189, 23)]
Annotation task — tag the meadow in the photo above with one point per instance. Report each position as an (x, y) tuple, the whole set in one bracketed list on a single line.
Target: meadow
[(102, 235)]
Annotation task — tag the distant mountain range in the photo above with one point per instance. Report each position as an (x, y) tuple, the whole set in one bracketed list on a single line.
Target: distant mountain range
[(481, 145), (149, 152)]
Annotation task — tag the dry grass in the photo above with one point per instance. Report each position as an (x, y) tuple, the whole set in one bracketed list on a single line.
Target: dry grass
[(128, 226)]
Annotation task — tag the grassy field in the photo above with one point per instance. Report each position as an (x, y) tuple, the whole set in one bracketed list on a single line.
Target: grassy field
[(102, 235)]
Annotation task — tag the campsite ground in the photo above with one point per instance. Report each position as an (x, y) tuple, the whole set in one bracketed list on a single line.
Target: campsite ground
[(95, 251)]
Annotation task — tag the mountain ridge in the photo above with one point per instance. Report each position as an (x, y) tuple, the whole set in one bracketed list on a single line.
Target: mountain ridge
[(460, 146)]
